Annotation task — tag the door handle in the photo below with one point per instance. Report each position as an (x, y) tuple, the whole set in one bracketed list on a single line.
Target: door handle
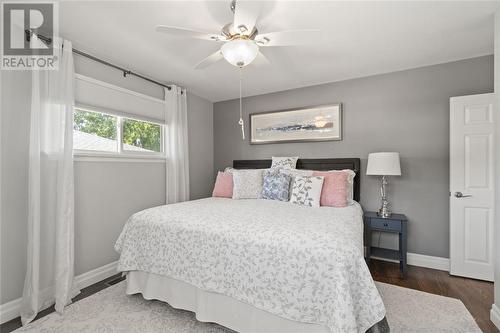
[(461, 195)]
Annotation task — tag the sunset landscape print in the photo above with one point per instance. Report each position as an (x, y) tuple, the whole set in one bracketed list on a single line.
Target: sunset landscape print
[(320, 123)]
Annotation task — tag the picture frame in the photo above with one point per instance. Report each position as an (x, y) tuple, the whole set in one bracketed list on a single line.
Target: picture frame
[(305, 124)]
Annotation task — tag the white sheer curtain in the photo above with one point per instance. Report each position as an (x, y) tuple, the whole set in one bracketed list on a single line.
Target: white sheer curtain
[(50, 271), (176, 145)]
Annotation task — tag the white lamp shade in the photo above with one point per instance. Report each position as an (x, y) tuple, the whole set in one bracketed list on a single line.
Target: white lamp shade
[(383, 164), (239, 52)]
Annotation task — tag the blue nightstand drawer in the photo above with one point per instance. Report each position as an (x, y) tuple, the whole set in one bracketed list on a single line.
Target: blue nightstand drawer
[(386, 224)]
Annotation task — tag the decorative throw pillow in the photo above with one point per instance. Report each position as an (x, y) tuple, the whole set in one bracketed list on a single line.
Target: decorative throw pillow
[(334, 192), (294, 173), (284, 162), (230, 169), (223, 185), (306, 190), (276, 186), (247, 184), (350, 183)]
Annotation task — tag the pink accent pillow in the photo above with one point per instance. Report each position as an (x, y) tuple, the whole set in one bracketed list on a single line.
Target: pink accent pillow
[(223, 185), (334, 192)]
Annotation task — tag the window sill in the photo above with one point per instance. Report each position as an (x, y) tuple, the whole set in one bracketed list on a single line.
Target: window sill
[(111, 157)]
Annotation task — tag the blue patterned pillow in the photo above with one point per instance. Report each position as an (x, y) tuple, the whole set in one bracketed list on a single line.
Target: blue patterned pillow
[(276, 185)]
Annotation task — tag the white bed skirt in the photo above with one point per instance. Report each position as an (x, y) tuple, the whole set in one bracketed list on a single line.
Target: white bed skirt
[(214, 307)]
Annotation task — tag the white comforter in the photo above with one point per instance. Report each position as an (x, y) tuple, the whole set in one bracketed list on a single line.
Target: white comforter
[(300, 263)]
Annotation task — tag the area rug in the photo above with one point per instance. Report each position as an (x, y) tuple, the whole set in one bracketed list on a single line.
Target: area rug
[(110, 310)]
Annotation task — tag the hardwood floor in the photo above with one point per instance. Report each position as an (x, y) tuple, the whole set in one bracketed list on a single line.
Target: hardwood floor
[(476, 295)]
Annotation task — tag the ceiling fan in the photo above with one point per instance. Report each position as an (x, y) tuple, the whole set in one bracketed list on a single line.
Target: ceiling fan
[(241, 39)]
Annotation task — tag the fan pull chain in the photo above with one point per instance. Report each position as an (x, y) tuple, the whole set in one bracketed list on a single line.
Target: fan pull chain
[(241, 108)]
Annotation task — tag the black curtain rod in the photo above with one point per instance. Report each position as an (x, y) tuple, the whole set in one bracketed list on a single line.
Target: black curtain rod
[(126, 72)]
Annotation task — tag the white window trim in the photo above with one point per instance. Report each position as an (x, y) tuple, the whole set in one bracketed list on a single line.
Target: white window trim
[(121, 155), (96, 156)]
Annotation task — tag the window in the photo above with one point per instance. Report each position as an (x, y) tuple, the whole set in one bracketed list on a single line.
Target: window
[(94, 131), (140, 135), (100, 132)]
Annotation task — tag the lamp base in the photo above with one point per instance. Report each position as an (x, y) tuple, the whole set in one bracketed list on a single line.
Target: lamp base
[(384, 212)]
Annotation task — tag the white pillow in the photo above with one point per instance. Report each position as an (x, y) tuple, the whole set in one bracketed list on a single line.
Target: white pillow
[(247, 184), (306, 190), (296, 172), (350, 186), (284, 162), (231, 169)]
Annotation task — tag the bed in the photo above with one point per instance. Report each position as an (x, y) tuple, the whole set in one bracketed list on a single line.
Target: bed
[(256, 265)]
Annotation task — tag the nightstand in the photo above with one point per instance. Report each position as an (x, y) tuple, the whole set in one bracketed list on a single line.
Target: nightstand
[(397, 224)]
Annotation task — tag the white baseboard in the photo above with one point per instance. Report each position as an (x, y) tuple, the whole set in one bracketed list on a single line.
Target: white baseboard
[(495, 315), (86, 279), (10, 310), (421, 260)]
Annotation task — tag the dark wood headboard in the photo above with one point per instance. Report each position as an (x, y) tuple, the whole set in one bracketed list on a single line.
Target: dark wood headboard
[(321, 164)]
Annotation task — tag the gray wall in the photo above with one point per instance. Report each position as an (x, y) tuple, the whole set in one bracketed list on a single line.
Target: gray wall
[(106, 193), (201, 146), (405, 111)]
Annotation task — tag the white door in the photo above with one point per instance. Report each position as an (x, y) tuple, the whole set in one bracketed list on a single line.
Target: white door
[(471, 186)]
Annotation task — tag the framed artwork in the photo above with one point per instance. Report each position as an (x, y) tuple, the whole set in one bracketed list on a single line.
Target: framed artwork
[(316, 123)]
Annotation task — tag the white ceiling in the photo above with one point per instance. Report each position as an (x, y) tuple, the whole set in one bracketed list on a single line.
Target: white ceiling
[(357, 39)]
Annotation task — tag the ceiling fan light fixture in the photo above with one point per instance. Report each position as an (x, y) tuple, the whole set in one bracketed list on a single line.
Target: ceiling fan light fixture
[(239, 52), (243, 29)]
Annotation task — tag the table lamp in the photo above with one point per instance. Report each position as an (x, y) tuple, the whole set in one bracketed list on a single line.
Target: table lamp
[(383, 164)]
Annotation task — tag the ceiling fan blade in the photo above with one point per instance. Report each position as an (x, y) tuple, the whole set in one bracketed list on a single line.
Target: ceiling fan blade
[(210, 60), (246, 14), (260, 60), (286, 38), (183, 32)]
